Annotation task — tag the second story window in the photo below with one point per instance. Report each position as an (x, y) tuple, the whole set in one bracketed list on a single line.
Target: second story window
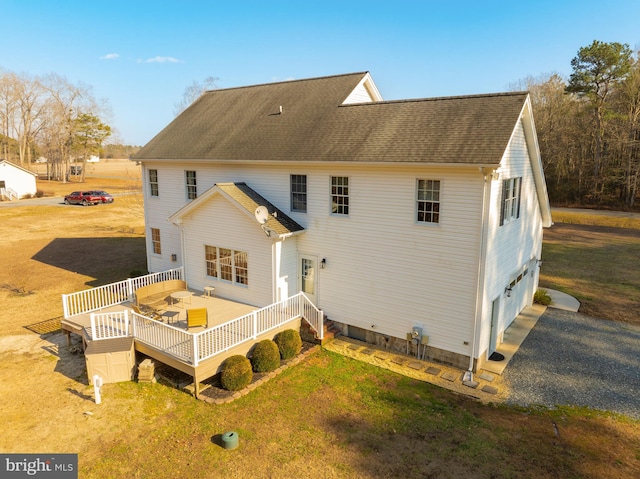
[(299, 193), (340, 195), (510, 200), (192, 187), (153, 182), (428, 201)]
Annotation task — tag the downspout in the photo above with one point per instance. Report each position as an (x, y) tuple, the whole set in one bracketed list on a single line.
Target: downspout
[(274, 275), (144, 172), (468, 375), (183, 251)]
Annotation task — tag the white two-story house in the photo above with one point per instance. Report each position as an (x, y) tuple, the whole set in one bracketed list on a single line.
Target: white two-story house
[(390, 216)]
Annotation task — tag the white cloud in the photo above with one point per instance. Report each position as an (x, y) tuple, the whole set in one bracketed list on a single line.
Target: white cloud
[(278, 79), (160, 60), (110, 56)]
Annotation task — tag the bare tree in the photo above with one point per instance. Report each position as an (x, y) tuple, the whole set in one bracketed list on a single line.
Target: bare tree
[(32, 104), (9, 101), (193, 92)]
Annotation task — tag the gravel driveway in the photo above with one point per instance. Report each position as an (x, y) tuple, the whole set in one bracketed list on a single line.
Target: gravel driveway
[(572, 359)]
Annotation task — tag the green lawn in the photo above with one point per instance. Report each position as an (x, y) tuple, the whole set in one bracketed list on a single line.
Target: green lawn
[(332, 416)]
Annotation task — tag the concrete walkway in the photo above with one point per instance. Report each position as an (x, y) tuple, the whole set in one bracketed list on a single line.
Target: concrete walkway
[(563, 301), (486, 385)]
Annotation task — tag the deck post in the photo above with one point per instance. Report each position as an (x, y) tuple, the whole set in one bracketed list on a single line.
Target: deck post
[(92, 316), (195, 350), (255, 325), (65, 306), (130, 291)]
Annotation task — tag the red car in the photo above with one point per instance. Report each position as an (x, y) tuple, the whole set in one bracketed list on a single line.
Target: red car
[(104, 196), (82, 198)]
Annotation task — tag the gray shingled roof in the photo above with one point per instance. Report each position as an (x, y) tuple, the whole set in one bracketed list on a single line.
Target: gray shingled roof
[(249, 199), (244, 124)]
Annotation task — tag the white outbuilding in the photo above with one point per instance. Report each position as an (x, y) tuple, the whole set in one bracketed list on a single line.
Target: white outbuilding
[(16, 182)]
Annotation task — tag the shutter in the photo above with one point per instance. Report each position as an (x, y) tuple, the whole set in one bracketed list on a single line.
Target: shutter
[(518, 197), (504, 197)]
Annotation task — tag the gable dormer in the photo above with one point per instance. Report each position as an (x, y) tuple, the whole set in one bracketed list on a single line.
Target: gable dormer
[(365, 92)]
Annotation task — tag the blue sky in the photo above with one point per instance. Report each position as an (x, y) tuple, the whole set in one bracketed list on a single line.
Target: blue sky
[(140, 56)]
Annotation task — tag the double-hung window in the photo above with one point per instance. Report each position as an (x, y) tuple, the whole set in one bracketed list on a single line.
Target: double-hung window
[(428, 201), (155, 240), (227, 264), (510, 199), (192, 186), (340, 195), (153, 182), (299, 193), (211, 258)]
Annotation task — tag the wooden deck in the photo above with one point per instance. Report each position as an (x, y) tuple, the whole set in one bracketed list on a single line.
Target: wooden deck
[(220, 311)]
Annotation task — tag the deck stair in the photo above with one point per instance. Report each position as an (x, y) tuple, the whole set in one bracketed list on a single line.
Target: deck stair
[(330, 331)]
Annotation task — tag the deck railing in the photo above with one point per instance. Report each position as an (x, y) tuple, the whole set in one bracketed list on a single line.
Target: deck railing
[(173, 341), (221, 338), (194, 348), (110, 325), (101, 297)]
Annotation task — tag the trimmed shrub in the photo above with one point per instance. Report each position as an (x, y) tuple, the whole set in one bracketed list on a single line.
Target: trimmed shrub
[(265, 357), (289, 343), (236, 373), (542, 297)]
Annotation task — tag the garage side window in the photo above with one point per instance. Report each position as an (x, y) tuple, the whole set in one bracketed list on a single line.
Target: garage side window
[(153, 182), (510, 200), (155, 240)]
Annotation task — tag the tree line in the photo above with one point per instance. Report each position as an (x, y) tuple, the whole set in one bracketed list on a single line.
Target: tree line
[(589, 127), (52, 118)]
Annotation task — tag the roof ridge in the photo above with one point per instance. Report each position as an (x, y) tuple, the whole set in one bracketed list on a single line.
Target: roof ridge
[(288, 81), (438, 98)]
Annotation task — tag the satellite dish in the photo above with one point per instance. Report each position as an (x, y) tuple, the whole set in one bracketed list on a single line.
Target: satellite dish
[(262, 214)]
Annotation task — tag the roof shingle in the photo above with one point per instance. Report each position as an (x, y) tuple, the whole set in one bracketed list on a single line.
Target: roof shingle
[(245, 124)]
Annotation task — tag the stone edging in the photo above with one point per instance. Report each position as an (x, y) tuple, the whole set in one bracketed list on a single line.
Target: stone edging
[(259, 382)]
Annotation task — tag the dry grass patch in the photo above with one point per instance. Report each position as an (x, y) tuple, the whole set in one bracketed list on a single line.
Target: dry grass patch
[(597, 265)]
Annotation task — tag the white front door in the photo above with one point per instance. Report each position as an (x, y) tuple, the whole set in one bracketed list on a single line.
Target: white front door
[(309, 276)]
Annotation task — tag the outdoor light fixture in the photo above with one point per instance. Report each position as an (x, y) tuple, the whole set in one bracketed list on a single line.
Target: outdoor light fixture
[(507, 291), (323, 263), (174, 257)]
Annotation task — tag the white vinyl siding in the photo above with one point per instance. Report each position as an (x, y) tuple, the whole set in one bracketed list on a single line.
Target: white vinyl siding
[(383, 268), (514, 245), (378, 263), (243, 258), (21, 181)]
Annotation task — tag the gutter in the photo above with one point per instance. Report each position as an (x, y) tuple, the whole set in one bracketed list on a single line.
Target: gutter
[(468, 375)]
